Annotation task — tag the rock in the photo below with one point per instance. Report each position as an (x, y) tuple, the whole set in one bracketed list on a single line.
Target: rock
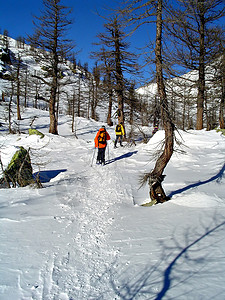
[(35, 131), (19, 170)]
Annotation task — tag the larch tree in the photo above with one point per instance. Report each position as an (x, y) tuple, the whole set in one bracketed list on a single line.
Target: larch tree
[(156, 176), (95, 90), (106, 67), (50, 37), (193, 26), (222, 102), (18, 83), (139, 13), (109, 88), (219, 82), (120, 60)]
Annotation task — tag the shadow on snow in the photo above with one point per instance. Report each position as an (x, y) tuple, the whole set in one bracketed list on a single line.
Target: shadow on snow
[(179, 264), (126, 155), (216, 177), (154, 282), (46, 176)]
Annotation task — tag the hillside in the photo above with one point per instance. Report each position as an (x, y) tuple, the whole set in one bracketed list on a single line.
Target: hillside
[(85, 236), (15, 54), (78, 91), (182, 93)]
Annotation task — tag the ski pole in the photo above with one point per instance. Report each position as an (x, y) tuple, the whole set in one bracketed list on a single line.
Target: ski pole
[(108, 152), (93, 158)]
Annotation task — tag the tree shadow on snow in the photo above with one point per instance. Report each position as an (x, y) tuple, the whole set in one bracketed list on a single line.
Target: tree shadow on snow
[(126, 155), (179, 264), (216, 177), (46, 176)]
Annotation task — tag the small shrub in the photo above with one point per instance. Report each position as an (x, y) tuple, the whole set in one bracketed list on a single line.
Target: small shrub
[(221, 130)]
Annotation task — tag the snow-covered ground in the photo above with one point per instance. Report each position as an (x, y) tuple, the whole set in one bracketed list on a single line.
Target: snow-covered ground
[(85, 235)]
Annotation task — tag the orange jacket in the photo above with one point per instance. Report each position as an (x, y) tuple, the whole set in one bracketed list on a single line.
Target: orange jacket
[(100, 145)]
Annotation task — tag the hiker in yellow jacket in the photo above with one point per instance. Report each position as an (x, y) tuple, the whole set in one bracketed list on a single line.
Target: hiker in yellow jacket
[(119, 134)]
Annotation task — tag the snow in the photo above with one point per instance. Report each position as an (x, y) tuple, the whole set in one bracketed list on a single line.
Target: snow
[(85, 234)]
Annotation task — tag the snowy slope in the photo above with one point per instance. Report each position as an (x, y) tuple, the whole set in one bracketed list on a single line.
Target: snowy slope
[(72, 79), (85, 235)]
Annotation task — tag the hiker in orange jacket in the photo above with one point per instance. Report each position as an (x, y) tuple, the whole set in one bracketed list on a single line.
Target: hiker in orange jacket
[(101, 139)]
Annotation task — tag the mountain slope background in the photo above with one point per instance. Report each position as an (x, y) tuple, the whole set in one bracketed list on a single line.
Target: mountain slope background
[(78, 88)]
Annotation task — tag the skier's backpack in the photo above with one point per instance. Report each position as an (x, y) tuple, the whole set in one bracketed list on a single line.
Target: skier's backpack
[(118, 128), (155, 129), (102, 137)]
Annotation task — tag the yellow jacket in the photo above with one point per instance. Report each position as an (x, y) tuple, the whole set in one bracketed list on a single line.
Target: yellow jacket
[(119, 129)]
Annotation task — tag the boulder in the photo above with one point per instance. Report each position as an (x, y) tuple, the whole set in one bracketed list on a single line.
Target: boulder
[(19, 171), (35, 131)]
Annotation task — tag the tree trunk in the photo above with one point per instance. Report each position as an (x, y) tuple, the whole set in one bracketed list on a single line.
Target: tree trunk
[(222, 103), (10, 110), (92, 100), (18, 89), (110, 94), (119, 76), (156, 176), (52, 111), (109, 115), (201, 84), (3, 96), (53, 95), (79, 97)]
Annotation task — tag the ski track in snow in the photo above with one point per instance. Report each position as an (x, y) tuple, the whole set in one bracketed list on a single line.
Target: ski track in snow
[(80, 272)]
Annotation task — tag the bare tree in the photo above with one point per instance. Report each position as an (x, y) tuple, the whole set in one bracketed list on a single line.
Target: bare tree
[(132, 101), (219, 67), (156, 176), (18, 70), (109, 88), (106, 68), (194, 25), (116, 52), (95, 91), (139, 14), (50, 37), (222, 102)]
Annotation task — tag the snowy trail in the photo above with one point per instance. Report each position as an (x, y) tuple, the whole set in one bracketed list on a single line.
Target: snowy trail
[(90, 207)]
